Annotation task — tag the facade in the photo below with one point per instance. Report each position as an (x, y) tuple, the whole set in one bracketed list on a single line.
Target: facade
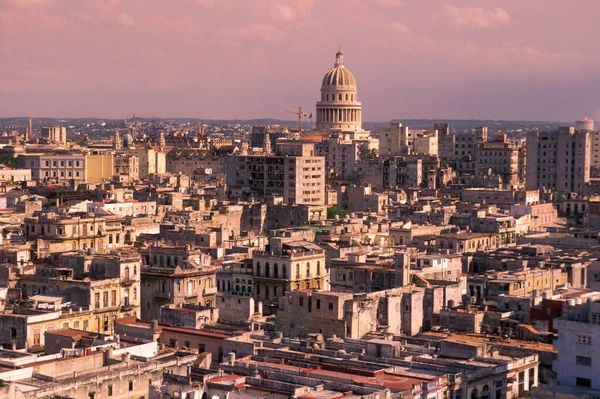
[(499, 157), (298, 179), (578, 347), (60, 168), (174, 275), (339, 108), (558, 161), (55, 134), (289, 266)]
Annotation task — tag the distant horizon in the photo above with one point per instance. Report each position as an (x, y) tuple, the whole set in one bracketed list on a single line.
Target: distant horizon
[(281, 120), (263, 57)]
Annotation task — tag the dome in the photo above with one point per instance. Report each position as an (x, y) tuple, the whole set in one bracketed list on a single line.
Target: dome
[(128, 141), (339, 75)]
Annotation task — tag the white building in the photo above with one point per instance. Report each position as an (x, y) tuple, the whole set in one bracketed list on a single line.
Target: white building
[(578, 347)]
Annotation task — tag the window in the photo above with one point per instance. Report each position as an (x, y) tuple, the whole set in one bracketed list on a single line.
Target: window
[(584, 339), (110, 390), (583, 382), (318, 304), (583, 360), (131, 385), (301, 301), (330, 305)]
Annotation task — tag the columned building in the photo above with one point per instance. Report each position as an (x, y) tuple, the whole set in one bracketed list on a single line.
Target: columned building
[(339, 108)]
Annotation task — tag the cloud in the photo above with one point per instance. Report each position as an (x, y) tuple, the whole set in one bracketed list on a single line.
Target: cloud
[(25, 3), (283, 12), (126, 20), (389, 3), (400, 27), (205, 3), (263, 32), (473, 17)]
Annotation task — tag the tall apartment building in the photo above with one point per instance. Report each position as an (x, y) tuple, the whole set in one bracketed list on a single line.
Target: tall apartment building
[(558, 161), (466, 144), (55, 134), (501, 157), (294, 174)]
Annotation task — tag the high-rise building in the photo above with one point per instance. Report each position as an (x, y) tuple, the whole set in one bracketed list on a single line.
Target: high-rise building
[(295, 174), (559, 160), (339, 108), (55, 134)]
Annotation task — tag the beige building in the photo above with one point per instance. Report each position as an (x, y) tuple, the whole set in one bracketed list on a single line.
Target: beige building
[(339, 108), (298, 179), (499, 157), (59, 167), (558, 161), (176, 275), (55, 134), (55, 234), (152, 160), (289, 266), (100, 167)]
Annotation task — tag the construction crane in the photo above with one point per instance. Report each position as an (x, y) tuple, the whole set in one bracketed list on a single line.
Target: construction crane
[(300, 114)]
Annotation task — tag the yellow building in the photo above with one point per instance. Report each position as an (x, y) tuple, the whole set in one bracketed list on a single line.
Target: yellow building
[(99, 167)]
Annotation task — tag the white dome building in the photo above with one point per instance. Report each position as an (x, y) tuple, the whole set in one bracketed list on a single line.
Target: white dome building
[(339, 108)]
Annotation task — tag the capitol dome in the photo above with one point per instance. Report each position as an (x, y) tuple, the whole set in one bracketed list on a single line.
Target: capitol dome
[(339, 108), (339, 76)]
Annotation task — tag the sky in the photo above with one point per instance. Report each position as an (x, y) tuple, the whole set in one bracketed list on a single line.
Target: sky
[(225, 59)]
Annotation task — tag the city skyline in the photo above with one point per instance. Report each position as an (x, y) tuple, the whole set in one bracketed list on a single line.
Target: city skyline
[(456, 59)]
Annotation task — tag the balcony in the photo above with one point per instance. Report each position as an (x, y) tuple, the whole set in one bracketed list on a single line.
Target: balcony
[(127, 307), (209, 291), (164, 296), (126, 281)]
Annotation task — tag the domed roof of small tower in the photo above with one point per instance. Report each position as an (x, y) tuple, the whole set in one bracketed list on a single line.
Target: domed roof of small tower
[(339, 76)]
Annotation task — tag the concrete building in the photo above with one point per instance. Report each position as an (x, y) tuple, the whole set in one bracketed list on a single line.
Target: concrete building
[(339, 108), (10, 175), (55, 134), (61, 168), (558, 161), (176, 275), (578, 347), (290, 265), (400, 140), (298, 179), (499, 156)]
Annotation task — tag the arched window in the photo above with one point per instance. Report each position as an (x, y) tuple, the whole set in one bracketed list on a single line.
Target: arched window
[(485, 392), (267, 270), (126, 273), (307, 269), (346, 97), (474, 394), (135, 270), (318, 268), (257, 269), (179, 286), (297, 270), (276, 270)]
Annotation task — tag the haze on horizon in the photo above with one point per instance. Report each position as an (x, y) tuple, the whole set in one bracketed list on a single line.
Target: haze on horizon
[(226, 59)]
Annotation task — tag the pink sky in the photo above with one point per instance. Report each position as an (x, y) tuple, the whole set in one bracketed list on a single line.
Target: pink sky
[(502, 59)]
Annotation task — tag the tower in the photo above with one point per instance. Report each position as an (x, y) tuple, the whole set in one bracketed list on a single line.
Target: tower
[(339, 108), (117, 144)]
